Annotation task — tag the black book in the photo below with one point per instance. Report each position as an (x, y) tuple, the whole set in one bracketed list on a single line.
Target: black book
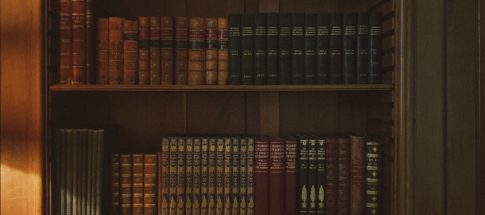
[(303, 176), (272, 20), (312, 175), (260, 49), (234, 21), (320, 175), (375, 48), (373, 181), (247, 49), (362, 48), (310, 44), (323, 46), (349, 46), (336, 48), (297, 48), (284, 58)]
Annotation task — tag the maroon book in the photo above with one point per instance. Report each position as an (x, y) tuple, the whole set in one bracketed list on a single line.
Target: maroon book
[(331, 176), (261, 176), (291, 176), (143, 50), (343, 187), (155, 34), (357, 174), (276, 176), (65, 34), (78, 49)]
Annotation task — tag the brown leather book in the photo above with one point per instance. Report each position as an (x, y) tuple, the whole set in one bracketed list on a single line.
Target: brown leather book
[(126, 184), (115, 184), (250, 188), (143, 50), (164, 177), (65, 32), (211, 51), (89, 42), (222, 51), (150, 184), (343, 187), (181, 53), (331, 166), (155, 34), (78, 18), (137, 184), (173, 176), (261, 175), (102, 59), (236, 175), (220, 176), (243, 175), (276, 176), (130, 51), (211, 191), (357, 174), (373, 186), (227, 175), (196, 59), (196, 177), (167, 45), (291, 175), (189, 169), (180, 175), (204, 176), (115, 50)]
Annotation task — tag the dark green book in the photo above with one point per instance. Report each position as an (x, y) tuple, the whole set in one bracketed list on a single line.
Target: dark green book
[(247, 49), (260, 49), (321, 144), (235, 189), (297, 48), (272, 20), (336, 48), (310, 47), (375, 48), (234, 21), (312, 175), (303, 178), (373, 189), (284, 55), (349, 47), (323, 48), (362, 68)]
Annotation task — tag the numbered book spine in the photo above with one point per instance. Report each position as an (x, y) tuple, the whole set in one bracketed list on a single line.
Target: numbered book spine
[(247, 49), (115, 50), (189, 173), (196, 64), (235, 175), (164, 177), (272, 22), (261, 176), (321, 145), (211, 51), (211, 191), (349, 48), (65, 42), (243, 175), (181, 175), (357, 174), (78, 42), (260, 55), (143, 50), (234, 21), (102, 58), (303, 176), (222, 51), (220, 176), (362, 51), (336, 48), (375, 48), (276, 176), (173, 159), (89, 41), (297, 48), (284, 52), (204, 176), (227, 175), (196, 176), (166, 49), (331, 166), (323, 48), (373, 190), (310, 45), (181, 52), (137, 184), (155, 37), (115, 184), (343, 187), (130, 51), (291, 176), (150, 184), (250, 187), (126, 183)]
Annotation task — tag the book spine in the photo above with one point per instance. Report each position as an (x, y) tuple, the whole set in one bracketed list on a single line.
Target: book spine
[(115, 50), (312, 175), (65, 41), (189, 173), (211, 191), (211, 51), (78, 41), (167, 48), (173, 159), (126, 184), (336, 48), (310, 45), (321, 145), (204, 179), (75, 175), (220, 176), (137, 184), (164, 177), (196, 64), (375, 48), (247, 49), (362, 68), (90, 179), (243, 175), (235, 175), (180, 175), (196, 175), (303, 176), (349, 47), (181, 53), (144, 50), (234, 21), (250, 172), (89, 41), (261, 176), (331, 166), (70, 173), (102, 51), (323, 48), (99, 169), (222, 51), (291, 176), (276, 176), (155, 37), (260, 55), (373, 190), (227, 175), (284, 52), (150, 184), (272, 20), (297, 48), (130, 51), (357, 174), (115, 184), (343, 187)]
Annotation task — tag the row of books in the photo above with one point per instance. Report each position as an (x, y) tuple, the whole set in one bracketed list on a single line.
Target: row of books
[(304, 48)]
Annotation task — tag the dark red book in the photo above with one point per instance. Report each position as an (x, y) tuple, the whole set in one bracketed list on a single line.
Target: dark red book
[(65, 31), (155, 35), (102, 58), (130, 51), (357, 174), (276, 176), (143, 50), (261, 176), (167, 45), (78, 41), (343, 184), (181, 45), (196, 62), (291, 176), (115, 50), (331, 166), (89, 41)]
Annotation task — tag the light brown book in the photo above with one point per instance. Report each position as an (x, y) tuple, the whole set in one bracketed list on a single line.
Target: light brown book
[(143, 50), (220, 176), (189, 165), (173, 176), (211, 51), (115, 50), (180, 175), (227, 175), (167, 45), (130, 51), (102, 58), (126, 184), (78, 54), (211, 191), (196, 176), (150, 184), (137, 184), (222, 51), (115, 184), (181, 45), (196, 60), (155, 50)]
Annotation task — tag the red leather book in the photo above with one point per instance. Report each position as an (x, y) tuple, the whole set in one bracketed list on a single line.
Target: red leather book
[(167, 45), (78, 53), (89, 42), (357, 174), (276, 176), (331, 166), (130, 51), (102, 59), (343, 187), (291, 176), (261, 176), (155, 32), (143, 50), (196, 61), (181, 45), (222, 52), (65, 33), (211, 51), (115, 50)]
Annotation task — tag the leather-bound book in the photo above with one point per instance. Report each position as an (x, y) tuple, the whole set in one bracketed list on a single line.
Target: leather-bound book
[(247, 49), (323, 48), (126, 184), (143, 50), (310, 47), (243, 175), (312, 175), (222, 51), (196, 63), (115, 184), (375, 29), (336, 48), (235, 191), (130, 51), (297, 48), (291, 175), (227, 175), (102, 59), (362, 51), (181, 45), (65, 35), (180, 175), (303, 189), (234, 21), (343, 184), (276, 176), (211, 51), (373, 185), (272, 22), (321, 145), (357, 174), (349, 48), (89, 42), (78, 18), (284, 52), (155, 37), (250, 172), (211, 191), (189, 173), (115, 50), (331, 165), (167, 47), (150, 184), (173, 159), (164, 177), (260, 34), (196, 176), (137, 184), (204, 176), (261, 176), (220, 176)]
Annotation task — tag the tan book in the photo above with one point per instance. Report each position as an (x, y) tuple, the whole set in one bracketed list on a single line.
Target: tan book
[(173, 176), (222, 51), (243, 175), (204, 176), (196, 190), (211, 191), (236, 176), (115, 184), (211, 51), (196, 60)]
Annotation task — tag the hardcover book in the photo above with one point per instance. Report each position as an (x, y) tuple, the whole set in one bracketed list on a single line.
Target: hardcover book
[(250, 188), (357, 174), (143, 51), (189, 169), (362, 68), (102, 59), (155, 37), (180, 175), (284, 52), (335, 48), (261, 176), (321, 145), (150, 184), (211, 51), (373, 179), (220, 175), (310, 47), (304, 201), (236, 175), (115, 50), (126, 184), (164, 174), (276, 176), (196, 63), (331, 177), (297, 48), (247, 49), (343, 184), (130, 51), (243, 175), (260, 34), (65, 43), (349, 48), (222, 51), (234, 21), (291, 175), (227, 175), (211, 191), (312, 175), (272, 42), (89, 42), (374, 48), (115, 185), (173, 159), (78, 41), (167, 49), (137, 184), (323, 49), (181, 45), (196, 178)]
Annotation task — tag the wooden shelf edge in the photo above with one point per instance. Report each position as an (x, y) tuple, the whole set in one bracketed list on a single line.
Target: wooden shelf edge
[(220, 88)]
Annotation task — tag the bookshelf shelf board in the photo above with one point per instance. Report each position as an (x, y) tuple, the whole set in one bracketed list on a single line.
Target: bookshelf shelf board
[(223, 88)]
